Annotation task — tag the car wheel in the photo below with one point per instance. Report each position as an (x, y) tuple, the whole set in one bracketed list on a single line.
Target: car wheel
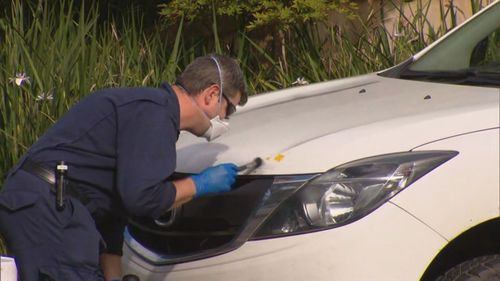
[(484, 268)]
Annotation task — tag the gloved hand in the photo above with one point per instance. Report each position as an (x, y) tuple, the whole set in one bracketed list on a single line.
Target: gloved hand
[(215, 179)]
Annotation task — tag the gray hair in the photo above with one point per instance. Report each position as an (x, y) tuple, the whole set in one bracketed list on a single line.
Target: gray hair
[(208, 70)]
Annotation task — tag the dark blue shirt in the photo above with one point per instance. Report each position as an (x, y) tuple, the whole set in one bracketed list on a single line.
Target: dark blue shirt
[(120, 148)]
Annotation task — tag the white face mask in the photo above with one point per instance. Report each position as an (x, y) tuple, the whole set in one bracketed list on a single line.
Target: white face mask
[(217, 126)]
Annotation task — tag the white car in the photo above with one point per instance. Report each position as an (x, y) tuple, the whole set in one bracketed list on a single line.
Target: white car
[(387, 176)]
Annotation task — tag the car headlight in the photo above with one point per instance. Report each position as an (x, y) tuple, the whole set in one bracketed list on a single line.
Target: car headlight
[(348, 192)]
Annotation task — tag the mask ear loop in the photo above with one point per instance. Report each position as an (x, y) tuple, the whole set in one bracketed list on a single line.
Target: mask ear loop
[(220, 79)]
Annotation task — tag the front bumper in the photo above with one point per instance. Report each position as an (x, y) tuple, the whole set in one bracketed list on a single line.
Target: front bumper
[(401, 250)]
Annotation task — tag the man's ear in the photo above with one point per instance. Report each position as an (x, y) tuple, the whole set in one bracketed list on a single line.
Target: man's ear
[(206, 97), (210, 94)]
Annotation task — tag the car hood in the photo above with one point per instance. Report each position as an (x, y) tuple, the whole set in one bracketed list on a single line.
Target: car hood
[(310, 129)]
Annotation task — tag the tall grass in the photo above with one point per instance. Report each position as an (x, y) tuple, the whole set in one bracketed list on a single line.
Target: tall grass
[(67, 55)]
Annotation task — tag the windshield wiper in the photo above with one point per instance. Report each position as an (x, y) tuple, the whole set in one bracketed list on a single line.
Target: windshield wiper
[(467, 76)]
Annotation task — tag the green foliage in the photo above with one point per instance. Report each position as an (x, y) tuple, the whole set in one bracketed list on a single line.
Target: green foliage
[(257, 13), (65, 58)]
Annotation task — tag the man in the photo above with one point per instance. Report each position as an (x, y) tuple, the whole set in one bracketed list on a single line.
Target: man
[(118, 148)]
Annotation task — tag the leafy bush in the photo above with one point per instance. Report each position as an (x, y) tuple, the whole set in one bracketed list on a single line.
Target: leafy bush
[(257, 13)]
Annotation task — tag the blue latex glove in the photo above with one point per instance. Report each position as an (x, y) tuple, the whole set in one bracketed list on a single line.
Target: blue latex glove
[(215, 179)]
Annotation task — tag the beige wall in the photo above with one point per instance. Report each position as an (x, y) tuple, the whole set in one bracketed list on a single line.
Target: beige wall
[(433, 9), (373, 13)]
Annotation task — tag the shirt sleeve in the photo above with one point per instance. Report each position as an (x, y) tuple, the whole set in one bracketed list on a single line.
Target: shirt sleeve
[(146, 157)]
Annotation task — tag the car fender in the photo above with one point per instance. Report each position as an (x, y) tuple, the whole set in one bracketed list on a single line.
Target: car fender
[(464, 191)]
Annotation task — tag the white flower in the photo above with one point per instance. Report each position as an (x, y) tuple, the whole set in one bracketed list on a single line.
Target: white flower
[(45, 97), (397, 34), (20, 79), (300, 81)]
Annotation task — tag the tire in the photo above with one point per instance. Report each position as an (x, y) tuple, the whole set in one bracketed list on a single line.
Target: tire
[(484, 268)]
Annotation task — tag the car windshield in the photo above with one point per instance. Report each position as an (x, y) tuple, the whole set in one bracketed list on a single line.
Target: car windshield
[(470, 55)]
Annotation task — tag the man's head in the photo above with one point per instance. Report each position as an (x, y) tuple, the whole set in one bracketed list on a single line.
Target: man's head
[(220, 82)]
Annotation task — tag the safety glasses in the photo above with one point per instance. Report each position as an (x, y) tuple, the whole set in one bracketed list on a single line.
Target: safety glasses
[(230, 108)]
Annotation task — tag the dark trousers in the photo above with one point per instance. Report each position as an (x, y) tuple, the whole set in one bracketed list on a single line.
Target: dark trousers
[(47, 244)]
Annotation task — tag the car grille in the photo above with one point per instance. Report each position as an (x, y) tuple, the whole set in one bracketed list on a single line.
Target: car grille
[(206, 226)]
